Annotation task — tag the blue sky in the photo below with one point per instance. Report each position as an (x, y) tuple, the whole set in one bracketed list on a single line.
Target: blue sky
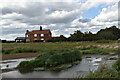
[(93, 12)]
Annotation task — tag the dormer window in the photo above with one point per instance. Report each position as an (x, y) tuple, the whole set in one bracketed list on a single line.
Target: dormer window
[(35, 35)]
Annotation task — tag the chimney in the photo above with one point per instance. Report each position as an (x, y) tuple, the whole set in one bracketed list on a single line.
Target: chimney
[(40, 27), (27, 30)]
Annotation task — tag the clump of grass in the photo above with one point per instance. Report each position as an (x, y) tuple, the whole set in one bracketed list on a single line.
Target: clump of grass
[(103, 72), (117, 65), (52, 59), (63, 57), (7, 51), (24, 50)]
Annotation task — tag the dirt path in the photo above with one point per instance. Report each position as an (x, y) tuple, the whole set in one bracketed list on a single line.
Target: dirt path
[(19, 55)]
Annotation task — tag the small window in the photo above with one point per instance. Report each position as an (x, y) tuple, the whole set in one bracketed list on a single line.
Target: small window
[(35, 35), (27, 35), (41, 35), (42, 39)]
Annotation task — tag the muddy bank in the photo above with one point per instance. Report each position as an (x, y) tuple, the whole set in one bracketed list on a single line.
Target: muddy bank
[(6, 70), (20, 55)]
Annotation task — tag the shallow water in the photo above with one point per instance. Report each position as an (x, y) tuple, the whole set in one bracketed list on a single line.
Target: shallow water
[(12, 63), (88, 63)]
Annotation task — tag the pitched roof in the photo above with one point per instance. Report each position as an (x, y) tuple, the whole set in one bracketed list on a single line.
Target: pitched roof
[(39, 31)]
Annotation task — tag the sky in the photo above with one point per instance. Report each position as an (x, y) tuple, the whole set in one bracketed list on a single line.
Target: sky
[(62, 17)]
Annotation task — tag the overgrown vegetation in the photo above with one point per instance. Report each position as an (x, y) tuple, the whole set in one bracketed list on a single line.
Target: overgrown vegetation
[(52, 59)]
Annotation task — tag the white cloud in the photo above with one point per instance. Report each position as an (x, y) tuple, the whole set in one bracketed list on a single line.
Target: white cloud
[(12, 15), (108, 14), (62, 17)]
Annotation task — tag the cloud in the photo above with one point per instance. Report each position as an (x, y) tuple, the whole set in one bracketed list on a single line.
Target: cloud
[(63, 17), (109, 14), (44, 13), (84, 20)]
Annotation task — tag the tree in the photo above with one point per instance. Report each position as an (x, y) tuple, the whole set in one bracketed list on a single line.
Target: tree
[(112, 33)]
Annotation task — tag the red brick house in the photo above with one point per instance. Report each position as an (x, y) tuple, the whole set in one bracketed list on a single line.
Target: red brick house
[(38, 35)]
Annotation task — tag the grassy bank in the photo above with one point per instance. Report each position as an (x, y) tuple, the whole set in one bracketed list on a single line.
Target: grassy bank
[(52, 60), (98, 47), (106, 72)]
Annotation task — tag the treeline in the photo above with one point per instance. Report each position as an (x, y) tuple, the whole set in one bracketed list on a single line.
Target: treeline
[(112, 33)]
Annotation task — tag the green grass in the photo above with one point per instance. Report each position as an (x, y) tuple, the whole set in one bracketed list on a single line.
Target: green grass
[(106, 72), (103, 72), (96, 51), (106, 41), (117, 65), (10, 48), (52, 59), (18, 50)]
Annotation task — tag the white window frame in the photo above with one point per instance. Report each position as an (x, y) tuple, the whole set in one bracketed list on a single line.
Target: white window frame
[(42, 39), (35, 35), (41, 35), (27, 35)]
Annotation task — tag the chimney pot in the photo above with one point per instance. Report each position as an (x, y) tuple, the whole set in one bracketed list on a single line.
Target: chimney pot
[(27, 30), (40, 27)]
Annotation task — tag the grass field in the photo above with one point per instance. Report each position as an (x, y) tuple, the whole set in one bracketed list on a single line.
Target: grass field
[(96, 47)]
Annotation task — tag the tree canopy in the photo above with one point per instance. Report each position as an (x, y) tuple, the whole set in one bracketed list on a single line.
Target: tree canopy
[(111, 33)]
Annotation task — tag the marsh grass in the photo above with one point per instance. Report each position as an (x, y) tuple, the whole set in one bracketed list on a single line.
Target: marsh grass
[(86, 47), (52, 59), (117, 65), (106, 41), (103, 72), (18, 50), (96, 51)]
